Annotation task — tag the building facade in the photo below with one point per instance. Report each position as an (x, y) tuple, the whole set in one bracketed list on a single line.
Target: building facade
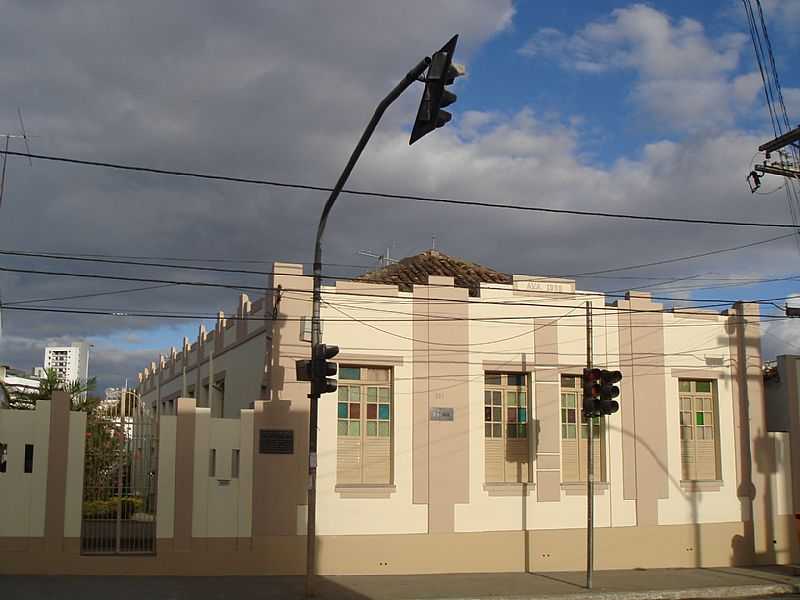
[(457, 421), (454, 441), (70, 362)]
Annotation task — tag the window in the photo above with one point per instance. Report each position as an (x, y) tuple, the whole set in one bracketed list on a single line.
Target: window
[(212, 462), (235, 463), (29, 458), (3, 457), (698, 423), (364, 425), (217, 399), (505, 422), (574, 450)]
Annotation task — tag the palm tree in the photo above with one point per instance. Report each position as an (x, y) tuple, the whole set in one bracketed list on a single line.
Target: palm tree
[(77, 390)]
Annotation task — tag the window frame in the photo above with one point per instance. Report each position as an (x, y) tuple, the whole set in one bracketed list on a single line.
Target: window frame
[(383, 420), (581, 431), (708, 404), (499, 384)]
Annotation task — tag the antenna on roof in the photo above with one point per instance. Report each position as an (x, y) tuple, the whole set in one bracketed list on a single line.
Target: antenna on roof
[(384, 260), (24, 136), (433, 242)]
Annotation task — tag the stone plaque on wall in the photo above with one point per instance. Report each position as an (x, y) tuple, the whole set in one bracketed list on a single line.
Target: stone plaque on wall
[(441, 413), (276, 441)]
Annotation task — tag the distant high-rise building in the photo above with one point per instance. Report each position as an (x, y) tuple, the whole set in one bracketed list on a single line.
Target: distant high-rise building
[(70, 362)]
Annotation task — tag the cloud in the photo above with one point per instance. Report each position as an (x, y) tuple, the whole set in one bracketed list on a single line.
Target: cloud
[(682, 74)]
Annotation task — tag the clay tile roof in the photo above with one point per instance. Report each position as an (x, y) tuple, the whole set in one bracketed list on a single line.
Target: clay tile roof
[(415, 270)]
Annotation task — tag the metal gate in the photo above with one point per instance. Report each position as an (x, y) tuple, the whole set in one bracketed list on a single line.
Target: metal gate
[(119, 478)]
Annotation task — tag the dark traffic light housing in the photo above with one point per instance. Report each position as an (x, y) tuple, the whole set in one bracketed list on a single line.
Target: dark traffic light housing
[(441, 73), (599, 391), (322, 370)]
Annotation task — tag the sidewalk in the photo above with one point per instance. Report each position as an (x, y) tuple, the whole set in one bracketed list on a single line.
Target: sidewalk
[(608, 585)]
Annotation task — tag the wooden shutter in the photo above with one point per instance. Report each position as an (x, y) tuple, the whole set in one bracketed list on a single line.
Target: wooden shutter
[(569, 460), (377, 460), (516, 460), (348, 460), (495, 460)]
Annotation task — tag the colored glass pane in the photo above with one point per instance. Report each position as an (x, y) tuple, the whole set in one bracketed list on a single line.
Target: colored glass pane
[(523, 415), (383, 429), (685, 386), (511, 398), (699, 417), (571, 431), (523, 399), (372, 394), (488, 430), (523, 430), (372, 428), (354, 428), (497, 399), (383, 394), (702, 386), (516, 380), (350, 373), (497, 430), (355, 393), (355, 411), (343, 393), (492, 379), (372, 411), (511, 415), (568, 381), (341, 427), (487, 413), (487, 397), (383, 411), (568, 400), (511, 431), (342, 410), (571, 413), (497, 414)]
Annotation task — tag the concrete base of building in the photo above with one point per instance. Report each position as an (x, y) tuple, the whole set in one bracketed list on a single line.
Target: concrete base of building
[(665, 546)]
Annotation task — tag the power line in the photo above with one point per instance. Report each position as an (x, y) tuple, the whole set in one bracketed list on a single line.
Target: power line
[(416, 198), (267, 273), (91, 295)]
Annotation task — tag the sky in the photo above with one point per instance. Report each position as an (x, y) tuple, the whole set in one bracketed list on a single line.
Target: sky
[(596, 105)]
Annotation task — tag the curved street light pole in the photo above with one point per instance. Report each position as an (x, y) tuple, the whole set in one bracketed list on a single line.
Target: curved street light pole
[(410, 78)]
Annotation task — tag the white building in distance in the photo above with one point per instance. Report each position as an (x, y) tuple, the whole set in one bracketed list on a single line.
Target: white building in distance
[(70, 362)]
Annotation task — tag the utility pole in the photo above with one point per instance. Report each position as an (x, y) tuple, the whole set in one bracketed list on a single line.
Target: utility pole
[(429, 118), (589, 418)]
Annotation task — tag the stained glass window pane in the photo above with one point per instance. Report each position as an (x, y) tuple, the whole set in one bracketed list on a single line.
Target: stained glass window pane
[(571, 415), (487, 413), (350, 373), (568, 400), (487, 397), (702, 386), (341, 428), (492, 379), (511, 414), (523, 415), (497, 414), (343, 393), (383, 411), (684, 385), (354, 428), (686, 403), (571, 432), (511, 431), (355, 393), (372, 394), (372, 428), (511, 398), (523, 399), (488, 431), (383, 429), (372, 411), (564, 431), (516, 380), (497, 430), (355, 411), (523, 430), (383, 394), (699, 417), (567, 381), (497, 398), (342, 412)]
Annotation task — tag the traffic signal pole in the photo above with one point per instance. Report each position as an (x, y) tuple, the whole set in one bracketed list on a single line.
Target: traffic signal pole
[(589, 466), (316, 340)]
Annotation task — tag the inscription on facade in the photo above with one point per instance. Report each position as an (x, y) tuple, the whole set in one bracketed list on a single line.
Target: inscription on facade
[(276, 441), (543, 285), (441, 413)]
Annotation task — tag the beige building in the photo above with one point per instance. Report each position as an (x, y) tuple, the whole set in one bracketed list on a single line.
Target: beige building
[(454, 441)]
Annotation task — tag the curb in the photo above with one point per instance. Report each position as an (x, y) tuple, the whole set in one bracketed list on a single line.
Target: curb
[(740, 591)]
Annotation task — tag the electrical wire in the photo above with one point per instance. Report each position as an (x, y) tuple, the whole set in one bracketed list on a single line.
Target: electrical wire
[(416, 198)]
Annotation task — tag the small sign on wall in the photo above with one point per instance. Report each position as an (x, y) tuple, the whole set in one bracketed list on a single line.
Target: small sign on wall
[(441, 413), (276, 441)]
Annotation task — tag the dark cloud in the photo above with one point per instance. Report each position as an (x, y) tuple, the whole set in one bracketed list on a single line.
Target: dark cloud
[(282, 90)]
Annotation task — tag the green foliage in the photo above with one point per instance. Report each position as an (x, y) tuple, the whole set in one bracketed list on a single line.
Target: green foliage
[(26, 400), (107, 509)]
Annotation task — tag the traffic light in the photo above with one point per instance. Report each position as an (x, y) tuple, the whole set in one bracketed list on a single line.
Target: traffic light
[(441, 72), (599, 391), (321, 370)]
